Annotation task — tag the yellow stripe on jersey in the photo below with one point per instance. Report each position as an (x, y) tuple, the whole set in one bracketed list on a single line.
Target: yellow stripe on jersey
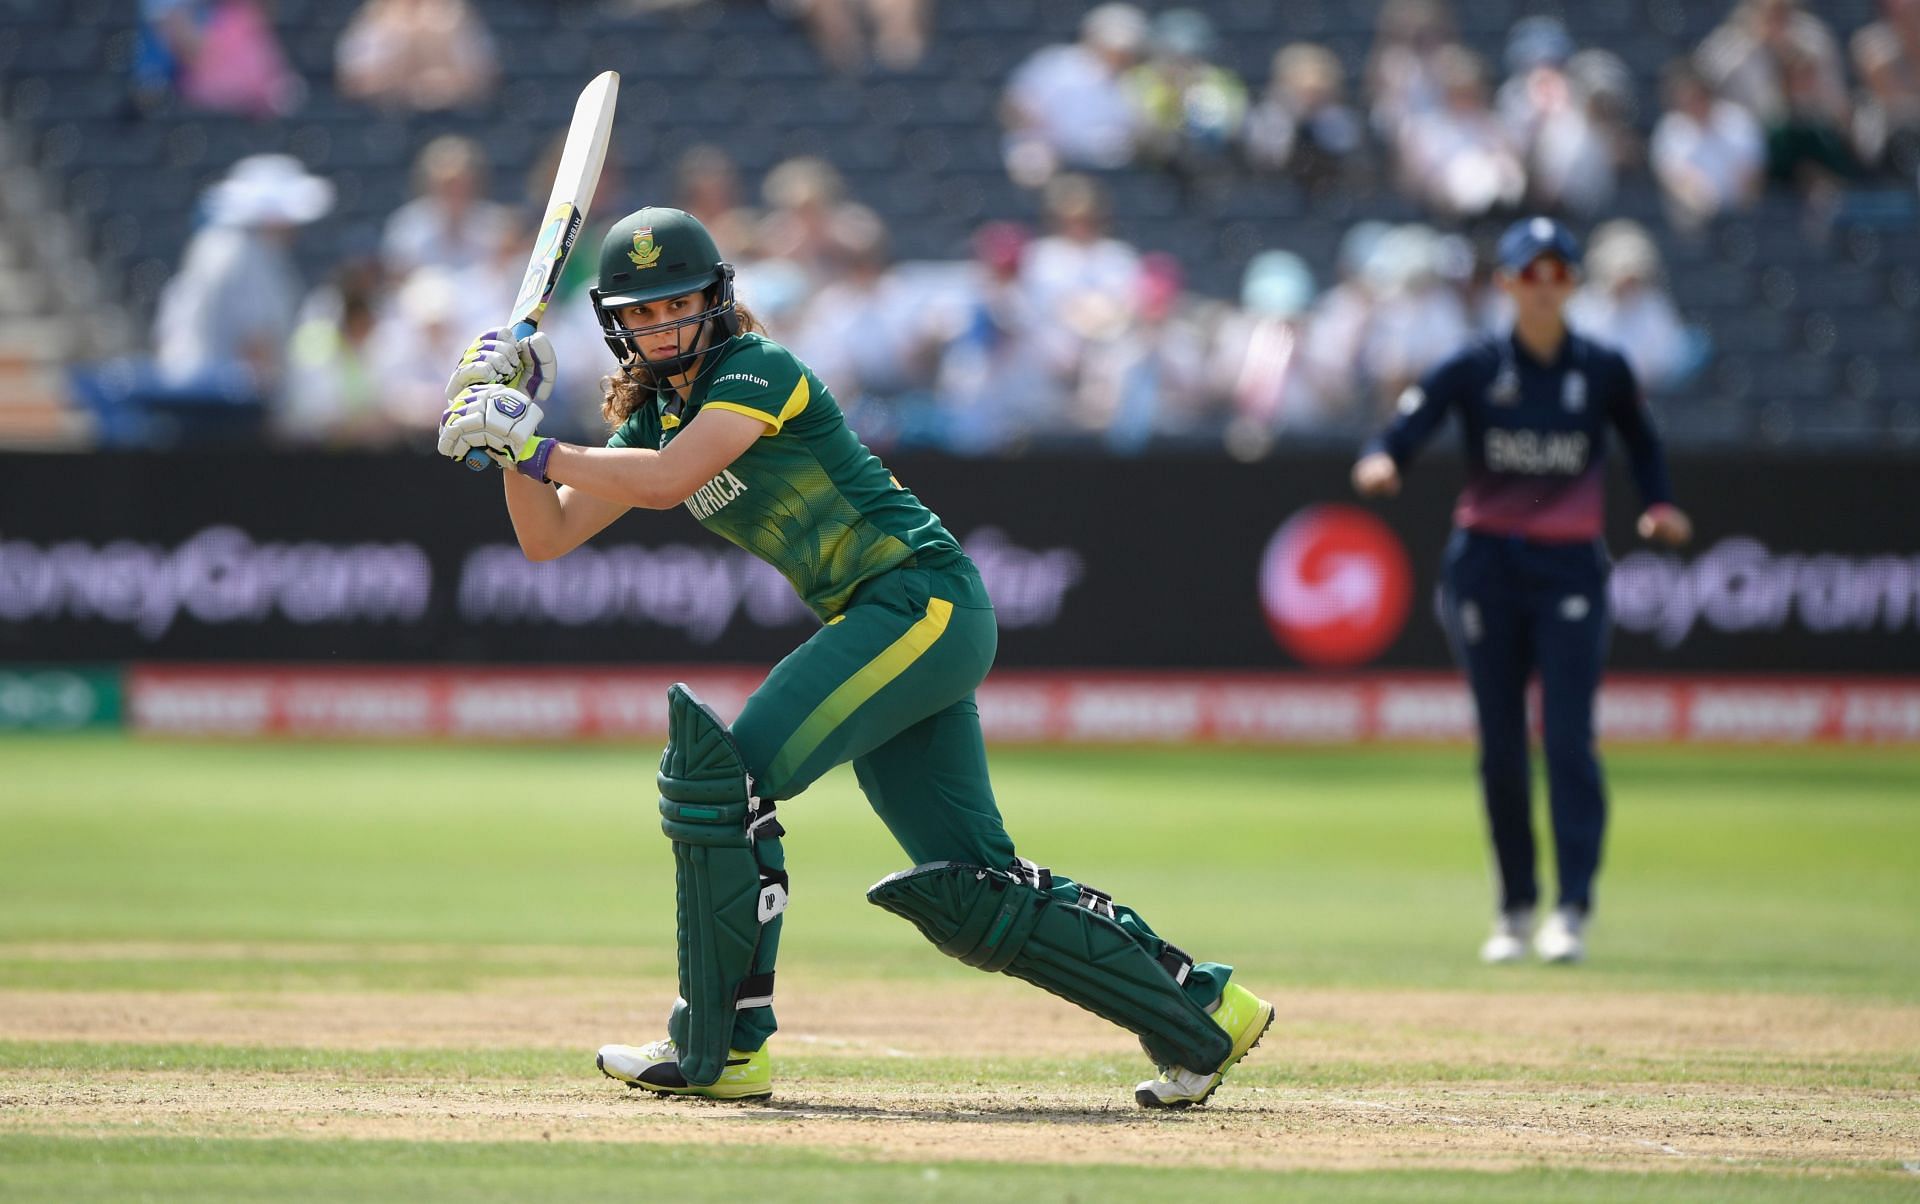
[(773, 424), (796, 402), (854, 692)]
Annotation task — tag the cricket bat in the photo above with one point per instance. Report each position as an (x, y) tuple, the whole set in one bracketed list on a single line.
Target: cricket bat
[(573, 186)]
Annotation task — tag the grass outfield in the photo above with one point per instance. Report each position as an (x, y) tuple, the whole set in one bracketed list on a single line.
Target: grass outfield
[(312, 971), (76, 1171)]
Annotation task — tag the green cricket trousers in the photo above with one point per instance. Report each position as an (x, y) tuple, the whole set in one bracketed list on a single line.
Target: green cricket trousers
[(889, 685)]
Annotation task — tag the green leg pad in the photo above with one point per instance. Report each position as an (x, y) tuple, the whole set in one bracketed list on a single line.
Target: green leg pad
[(995, 920), (725, 892)]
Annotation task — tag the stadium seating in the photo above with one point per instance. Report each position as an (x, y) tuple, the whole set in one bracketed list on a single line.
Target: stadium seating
[(1798, 326)]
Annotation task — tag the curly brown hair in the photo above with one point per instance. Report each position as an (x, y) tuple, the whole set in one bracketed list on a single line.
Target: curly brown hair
[(622, 392)]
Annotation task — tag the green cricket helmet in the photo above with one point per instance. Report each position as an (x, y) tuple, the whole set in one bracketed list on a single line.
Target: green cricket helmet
[(652, 255)]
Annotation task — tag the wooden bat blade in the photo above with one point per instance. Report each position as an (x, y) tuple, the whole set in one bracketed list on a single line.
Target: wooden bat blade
[(573, 187)]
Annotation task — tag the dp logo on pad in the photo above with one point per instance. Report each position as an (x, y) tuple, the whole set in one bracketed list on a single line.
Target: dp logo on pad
[(1336, 586)]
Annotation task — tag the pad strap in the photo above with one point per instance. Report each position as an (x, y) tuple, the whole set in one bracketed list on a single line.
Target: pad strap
[(1039, 877), (1098, 902), (756, 991), (761, 821), (1175, 961)]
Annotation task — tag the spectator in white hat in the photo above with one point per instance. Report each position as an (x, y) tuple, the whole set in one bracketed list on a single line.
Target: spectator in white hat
[(224, 319)]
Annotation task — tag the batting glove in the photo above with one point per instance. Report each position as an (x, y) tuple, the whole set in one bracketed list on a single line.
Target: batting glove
[(501, 422), (494, 358)]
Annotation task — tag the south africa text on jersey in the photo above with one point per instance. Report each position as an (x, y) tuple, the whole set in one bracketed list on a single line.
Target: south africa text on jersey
[(711, 498)]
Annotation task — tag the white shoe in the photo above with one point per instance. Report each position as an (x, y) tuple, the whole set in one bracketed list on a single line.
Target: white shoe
[(1562, 938), (1508, 941), (656, 1068), (1245, 1017)]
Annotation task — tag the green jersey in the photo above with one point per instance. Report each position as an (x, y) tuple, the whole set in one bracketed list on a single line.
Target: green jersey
[(807, 497)]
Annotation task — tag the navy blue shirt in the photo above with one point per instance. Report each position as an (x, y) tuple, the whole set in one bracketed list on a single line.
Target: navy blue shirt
[(1535, 435)]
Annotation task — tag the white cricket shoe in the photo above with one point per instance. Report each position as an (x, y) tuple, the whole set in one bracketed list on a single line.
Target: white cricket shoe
[(1245, 1017), (1563, 937), (1508, 941), (656, 1068)]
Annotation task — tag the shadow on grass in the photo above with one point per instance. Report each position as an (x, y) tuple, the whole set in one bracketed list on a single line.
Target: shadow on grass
[(959, 1113)]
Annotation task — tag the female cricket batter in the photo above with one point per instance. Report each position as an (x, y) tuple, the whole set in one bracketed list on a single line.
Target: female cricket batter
[(1524, 586), (709, 413)]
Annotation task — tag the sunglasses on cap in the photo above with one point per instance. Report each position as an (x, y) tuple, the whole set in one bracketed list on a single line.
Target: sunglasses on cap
[(1546, 270)]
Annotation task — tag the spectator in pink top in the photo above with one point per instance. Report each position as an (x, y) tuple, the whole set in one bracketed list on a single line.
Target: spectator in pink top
[(218, 55)]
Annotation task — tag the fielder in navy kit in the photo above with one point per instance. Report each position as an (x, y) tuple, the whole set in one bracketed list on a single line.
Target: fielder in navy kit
[(1524, 587)]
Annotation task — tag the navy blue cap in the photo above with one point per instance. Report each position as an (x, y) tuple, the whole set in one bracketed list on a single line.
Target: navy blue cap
[(1530, 238)]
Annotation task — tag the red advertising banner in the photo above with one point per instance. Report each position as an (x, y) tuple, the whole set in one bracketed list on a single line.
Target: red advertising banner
[(1016, 707)]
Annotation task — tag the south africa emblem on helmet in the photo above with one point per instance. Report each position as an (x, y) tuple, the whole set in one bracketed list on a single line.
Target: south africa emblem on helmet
[(644, 253)]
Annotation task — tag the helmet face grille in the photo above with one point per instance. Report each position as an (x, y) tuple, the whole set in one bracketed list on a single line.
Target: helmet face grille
[(651, 255), (717, 323)]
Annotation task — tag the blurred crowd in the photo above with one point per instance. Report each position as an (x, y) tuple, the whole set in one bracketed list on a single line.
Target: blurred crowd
[(1058, 332), (1553, 127)]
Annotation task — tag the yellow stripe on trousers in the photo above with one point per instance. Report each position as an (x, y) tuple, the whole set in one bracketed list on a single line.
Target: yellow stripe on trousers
[(869, 680)]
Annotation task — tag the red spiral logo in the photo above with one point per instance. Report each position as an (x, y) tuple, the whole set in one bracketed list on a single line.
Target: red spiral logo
[(1336, 585)]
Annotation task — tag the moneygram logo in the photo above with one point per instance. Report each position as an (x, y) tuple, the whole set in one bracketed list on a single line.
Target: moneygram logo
[(1336, 586), (1740, 586)]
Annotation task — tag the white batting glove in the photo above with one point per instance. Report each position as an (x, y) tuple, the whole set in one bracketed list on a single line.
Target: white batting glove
[(494, 358), (500, 421)]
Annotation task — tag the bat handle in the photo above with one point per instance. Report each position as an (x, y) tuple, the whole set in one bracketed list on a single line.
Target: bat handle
[(477, 460)]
